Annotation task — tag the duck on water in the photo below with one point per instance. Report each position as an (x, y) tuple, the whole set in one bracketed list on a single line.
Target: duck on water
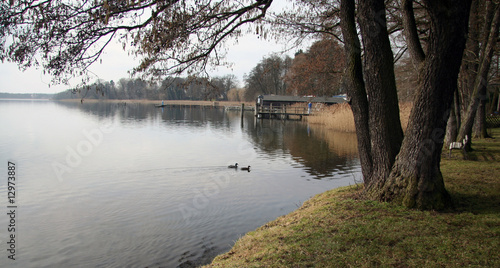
[(246, 168)]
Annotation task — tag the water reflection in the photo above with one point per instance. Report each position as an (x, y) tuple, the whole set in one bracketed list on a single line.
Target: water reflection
[(324, 153), (133, 112), (126, 194)]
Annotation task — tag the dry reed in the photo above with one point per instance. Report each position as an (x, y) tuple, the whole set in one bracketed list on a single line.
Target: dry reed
[(342, 143), (339, 117)]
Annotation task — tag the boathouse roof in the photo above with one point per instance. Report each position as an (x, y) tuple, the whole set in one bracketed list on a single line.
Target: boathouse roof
[(295, 99)]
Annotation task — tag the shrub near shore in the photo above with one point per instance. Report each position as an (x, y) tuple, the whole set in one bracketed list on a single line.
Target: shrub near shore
[(337, 229)]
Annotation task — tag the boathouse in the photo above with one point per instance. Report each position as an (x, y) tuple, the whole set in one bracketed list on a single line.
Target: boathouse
[(278, 106)]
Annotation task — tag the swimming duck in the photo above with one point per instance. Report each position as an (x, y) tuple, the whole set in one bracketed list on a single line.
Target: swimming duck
[(233, 166), (246, 168)]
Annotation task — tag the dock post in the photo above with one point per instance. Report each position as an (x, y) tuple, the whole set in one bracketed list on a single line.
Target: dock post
[(242, 110)]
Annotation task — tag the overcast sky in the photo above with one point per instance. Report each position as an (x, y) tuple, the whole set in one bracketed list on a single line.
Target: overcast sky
[(115, 63), (245, 55)]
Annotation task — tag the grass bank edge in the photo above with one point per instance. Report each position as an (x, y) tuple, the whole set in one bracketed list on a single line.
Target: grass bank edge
[(336, 228)]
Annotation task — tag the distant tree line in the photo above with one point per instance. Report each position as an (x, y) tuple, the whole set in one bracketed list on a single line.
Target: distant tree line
[(308, 73), (171, 88), (318, 71), (25, 96), (267, 77)]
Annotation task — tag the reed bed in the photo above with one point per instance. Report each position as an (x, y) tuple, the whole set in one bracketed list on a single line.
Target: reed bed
[(342, 143), (339, 117)]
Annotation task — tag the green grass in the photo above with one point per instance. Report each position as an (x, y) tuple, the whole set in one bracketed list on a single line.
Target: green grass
[(335, 229)]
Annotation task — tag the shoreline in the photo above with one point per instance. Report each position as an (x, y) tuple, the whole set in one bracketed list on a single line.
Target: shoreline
[(338, 229), (166, 102)]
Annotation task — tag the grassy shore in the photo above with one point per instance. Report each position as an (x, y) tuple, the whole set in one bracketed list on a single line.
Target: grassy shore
[(336, 229)]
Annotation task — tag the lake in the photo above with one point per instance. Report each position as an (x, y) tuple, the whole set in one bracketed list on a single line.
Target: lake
[(131, 185)]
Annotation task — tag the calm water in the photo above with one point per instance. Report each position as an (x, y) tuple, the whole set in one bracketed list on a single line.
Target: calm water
[(109, 185)]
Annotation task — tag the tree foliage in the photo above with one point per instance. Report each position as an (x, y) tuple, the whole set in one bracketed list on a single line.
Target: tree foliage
[(318, 71), (65, 37), (170, 88), (267, 77)]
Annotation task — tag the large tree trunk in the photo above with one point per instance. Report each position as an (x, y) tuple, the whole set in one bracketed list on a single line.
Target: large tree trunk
[(386, 133), (416, 179), (356, 86)]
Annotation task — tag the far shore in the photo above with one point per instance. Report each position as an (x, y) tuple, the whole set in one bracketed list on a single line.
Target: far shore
[(167, 102)]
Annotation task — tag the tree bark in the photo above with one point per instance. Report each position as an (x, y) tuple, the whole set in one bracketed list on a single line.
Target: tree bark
[(451, 126), (470, 61), (411, 34), (454, 120), (498, 100), (416, 180), (356, 85), (481, 81), (385, 129), (480, 121), (468, 71)]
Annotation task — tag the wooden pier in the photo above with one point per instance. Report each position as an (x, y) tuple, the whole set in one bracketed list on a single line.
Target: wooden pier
[(281, 112), (288, 107)]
